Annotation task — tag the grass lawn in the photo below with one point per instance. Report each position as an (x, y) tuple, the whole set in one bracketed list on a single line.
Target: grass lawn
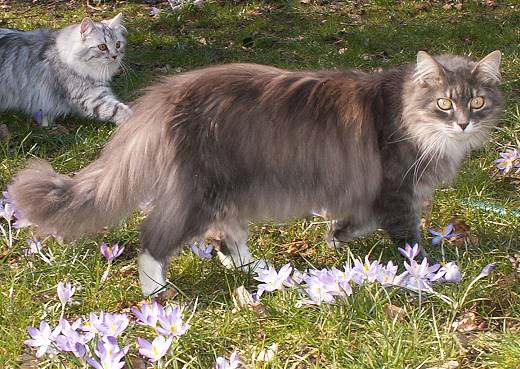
[(481, 330)]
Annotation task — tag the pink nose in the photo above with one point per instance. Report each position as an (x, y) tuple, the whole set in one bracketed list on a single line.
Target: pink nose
[(463, 125)]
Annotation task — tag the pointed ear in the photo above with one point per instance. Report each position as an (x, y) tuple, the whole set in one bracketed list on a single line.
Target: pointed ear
[(86, 26), (114, 22), (488, 69), (427, 69)]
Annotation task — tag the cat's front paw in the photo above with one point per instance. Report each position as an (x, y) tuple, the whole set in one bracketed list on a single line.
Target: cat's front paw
[(248, 266), (123, 113)]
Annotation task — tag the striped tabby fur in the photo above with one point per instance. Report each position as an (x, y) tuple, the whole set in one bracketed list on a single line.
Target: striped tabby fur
[(63, 72)]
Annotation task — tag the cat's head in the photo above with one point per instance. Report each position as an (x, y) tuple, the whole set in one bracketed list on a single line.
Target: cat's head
[(452, 103), (95, 49)]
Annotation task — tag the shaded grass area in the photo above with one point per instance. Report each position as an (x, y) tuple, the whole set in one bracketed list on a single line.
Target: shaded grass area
[(356, 333)]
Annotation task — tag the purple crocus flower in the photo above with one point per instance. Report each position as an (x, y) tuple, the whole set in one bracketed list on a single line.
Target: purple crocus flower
[(65, 292), (7, 211), (35, 247), (446, 233), (38, 117), (342, 279), (153, 11), (330, 280), (410, 252), (111, 252), (112, 325), (272, 279), (295, 278), (170, 323), (322, 287), (90, 326), (317, 292), (507, 160), (70, 340), (387, 274), (156, 349), (235, 362), (149, 313), (419, 275), (365, 271), (42, 337), (487, 270), (109, 353), (202, 250), (449, 273)]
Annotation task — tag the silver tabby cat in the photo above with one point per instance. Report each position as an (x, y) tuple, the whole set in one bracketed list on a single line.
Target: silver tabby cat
[(218, 147), (57, 73)]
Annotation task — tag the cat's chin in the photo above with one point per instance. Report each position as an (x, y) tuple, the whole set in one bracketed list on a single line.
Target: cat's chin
[(98, 71)]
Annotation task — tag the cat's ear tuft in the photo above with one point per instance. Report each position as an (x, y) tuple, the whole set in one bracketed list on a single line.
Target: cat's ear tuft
[(488, 69), (86, 26), (114, 22), (427, 69)]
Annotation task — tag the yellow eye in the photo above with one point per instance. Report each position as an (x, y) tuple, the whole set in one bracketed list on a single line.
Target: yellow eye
[(102, 47), (444, 104), (118, 45), (477, 102)]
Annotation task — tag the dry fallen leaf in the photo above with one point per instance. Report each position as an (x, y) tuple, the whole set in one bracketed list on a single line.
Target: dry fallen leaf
[(490, 3), (394, 312), (452, 364), (167, 294), (467, 322), (462, 228), (423, 6), (128, 270), (138, 362), (60, 130), (4, 133), (202, 40), (515, 262), (28, 361), (298, 247), (243, 299)]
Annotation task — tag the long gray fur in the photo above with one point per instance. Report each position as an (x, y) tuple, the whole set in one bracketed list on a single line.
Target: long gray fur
[(218, 147), (62, 72)]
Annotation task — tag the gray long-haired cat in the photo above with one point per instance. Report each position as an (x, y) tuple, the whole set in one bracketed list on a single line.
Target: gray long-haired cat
[(218, 147), (53, 74)]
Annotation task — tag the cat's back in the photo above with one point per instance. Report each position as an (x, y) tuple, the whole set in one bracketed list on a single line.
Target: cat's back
[(20, 50), (10, 37), (247, 84), (25, 74)]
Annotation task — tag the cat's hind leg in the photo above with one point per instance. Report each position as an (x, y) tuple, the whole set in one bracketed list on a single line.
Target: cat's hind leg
[(169, 225), (233, 251), (152, 273), (46, 121)]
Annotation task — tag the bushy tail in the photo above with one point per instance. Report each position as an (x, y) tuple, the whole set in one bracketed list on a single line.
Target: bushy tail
[(102, 193)]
